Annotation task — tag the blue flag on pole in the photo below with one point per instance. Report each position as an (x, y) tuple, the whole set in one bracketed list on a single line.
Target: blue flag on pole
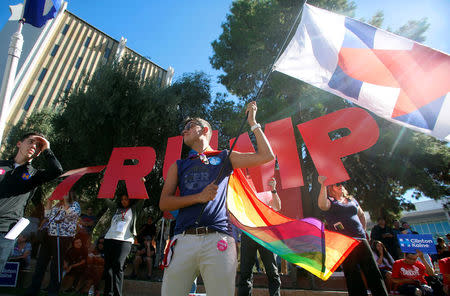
[(38, 12)]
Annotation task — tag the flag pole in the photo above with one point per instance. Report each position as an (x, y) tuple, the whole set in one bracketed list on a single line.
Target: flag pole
[(255, 98), (14, 52)]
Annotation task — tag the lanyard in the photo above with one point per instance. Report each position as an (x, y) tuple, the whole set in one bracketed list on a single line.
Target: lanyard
[(203, 156), (123, 213)]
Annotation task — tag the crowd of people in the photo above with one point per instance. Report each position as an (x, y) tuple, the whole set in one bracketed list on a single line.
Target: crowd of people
[(202, 240), (377, 263)]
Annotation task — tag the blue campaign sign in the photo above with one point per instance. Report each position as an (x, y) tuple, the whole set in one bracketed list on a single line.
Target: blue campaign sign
[(410, 243), (8, 278)]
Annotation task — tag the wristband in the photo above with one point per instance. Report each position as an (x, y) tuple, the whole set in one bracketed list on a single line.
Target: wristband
[(273, 191), (257, 125)]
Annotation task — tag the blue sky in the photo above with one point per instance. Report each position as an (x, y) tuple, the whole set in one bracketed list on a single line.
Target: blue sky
[(179, 33)]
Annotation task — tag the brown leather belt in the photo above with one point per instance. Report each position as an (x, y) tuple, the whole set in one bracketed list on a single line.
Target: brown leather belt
[(199, 230)]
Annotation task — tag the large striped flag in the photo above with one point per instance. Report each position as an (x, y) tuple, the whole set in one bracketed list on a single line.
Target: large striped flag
[(302, 242), (396, 78)]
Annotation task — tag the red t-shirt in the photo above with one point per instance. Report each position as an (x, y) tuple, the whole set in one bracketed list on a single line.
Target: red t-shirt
[(444, 268), (402, 270)]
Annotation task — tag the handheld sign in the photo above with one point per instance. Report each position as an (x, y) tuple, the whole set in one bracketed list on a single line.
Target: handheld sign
[(410, 243), (8, 278)]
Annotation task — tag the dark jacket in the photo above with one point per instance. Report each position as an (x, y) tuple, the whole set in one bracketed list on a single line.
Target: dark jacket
[(17, 186)]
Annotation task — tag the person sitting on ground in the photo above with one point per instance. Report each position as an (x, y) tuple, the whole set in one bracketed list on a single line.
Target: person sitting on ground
[(74, 264), (144, 254), (94, 269), (87, 223), (444, 268), (384, 261), (148, 229), (409, 275), (442, 249), (21, 252)]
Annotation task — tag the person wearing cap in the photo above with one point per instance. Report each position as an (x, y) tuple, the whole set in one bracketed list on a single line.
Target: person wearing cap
[(343, 214), (202, 242)]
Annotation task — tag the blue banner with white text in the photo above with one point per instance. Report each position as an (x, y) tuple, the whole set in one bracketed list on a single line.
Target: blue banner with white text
[(410, 243)]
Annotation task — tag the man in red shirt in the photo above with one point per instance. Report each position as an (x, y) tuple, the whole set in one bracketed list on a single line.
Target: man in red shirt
[(444, 267), (409, 275)]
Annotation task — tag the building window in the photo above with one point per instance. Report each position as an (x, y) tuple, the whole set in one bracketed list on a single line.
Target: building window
[(66, 28), (55, 50), (43, 72), (107, 53), (143, 73), (88, 40), (77, 65), (68, 86), (28, 103), (160, 77)]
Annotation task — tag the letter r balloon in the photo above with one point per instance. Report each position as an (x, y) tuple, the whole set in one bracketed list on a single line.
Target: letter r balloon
[(131, 174)]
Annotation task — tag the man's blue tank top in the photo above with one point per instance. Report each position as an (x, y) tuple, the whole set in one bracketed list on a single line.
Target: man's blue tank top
[(343, 218), (193, 176)]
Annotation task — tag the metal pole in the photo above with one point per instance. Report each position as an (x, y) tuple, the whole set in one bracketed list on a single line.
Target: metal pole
[(58, 250), (15, 50), (258, 94), (163, 222)]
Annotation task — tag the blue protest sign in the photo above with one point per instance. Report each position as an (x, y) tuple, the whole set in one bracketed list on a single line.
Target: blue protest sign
[(8, 278), (410, 243)]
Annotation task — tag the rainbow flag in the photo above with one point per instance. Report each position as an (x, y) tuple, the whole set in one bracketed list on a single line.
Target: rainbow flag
[(304, 242)]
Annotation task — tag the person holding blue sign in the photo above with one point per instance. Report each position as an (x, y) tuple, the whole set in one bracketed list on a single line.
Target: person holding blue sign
[(18, 181)]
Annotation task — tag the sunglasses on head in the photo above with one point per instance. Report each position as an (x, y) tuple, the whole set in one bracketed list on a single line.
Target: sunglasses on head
[(190, 124)]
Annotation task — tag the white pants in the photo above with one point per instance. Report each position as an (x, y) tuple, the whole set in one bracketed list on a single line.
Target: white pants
[(194, 254)]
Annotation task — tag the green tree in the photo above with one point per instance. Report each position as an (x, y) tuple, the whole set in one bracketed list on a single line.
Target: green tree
[(253, 33), (116, 108), (414, 29)]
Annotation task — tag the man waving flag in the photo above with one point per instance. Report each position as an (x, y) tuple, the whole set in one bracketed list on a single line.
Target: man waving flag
[(396, 78)]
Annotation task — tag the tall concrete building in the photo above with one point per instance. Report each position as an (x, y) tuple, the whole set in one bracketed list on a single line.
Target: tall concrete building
[(430, 217), (56, 57)]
